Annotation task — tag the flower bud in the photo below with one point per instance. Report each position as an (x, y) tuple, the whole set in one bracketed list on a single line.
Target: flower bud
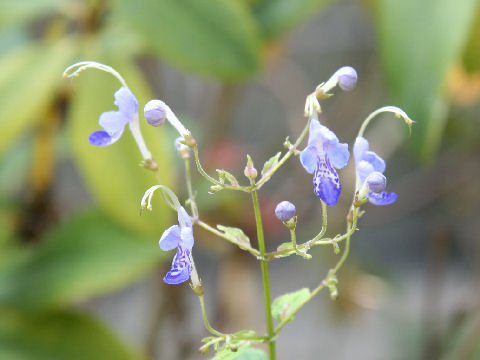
[(284, 211), (376, 181), (155, 112), (347, 78), (250, 171)]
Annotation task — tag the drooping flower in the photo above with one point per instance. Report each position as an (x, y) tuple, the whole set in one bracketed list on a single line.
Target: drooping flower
[(370, 168), (181, 237), (113, 122), (322, 155), (285, 210)]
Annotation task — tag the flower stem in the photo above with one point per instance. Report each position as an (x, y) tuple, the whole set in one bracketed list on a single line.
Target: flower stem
[(205, 319), (265, 275), (191, 197)]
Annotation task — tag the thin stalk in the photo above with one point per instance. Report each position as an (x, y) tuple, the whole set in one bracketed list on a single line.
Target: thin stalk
[(205, 319), (191, 197), (265, 275)]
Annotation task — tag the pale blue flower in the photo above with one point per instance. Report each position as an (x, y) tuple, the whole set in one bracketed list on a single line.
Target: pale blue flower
[(113, 122), (181, 237), (284, 211), (322, 155), (369, 166)]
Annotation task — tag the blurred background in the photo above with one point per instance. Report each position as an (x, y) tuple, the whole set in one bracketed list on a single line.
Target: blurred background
[(80, 270)]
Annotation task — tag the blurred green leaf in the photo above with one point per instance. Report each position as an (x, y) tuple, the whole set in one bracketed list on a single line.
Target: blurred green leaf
[(286, 304), (29, 78), (88, 255), (62, 335), (113, 174), (215, 38), (276, 17), (419, 41), (15, 11), (271, 163), (236, 234), (252, 354), (243, 353)]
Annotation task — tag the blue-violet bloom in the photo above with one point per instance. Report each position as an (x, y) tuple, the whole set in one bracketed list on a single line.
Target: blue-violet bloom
[(322, 155), (113, 122), (284, 211), (369, 166), (181, 237)]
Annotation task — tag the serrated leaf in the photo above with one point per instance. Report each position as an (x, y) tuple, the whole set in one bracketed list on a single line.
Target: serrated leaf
[(285, 305), (30, 81), (276, 17), (417, 77), (60, 335), (237, 234), (216, 37), (87, 256), (270, 163), (112, 174)]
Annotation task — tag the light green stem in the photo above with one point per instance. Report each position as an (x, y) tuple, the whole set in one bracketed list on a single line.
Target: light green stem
[(191, 197), (265, 275), (205, 319)]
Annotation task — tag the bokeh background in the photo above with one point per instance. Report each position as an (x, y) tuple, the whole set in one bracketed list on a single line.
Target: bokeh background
[(80, 270)]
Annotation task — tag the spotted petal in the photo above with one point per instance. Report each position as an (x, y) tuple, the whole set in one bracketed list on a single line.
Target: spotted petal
[(170, 238), (382, 198), (326, 184), (127, 102), (181, 267)]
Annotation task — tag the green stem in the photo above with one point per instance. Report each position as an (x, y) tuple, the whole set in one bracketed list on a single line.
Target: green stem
[(205, 319), (191, 197), (265, 275), (324, 222), (285, 157), (331, 273), (221, 234)]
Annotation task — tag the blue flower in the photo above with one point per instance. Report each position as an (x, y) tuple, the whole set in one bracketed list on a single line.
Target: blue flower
[(181, 237), (284, 211), (113, 122), (369, 168), (322, 155)]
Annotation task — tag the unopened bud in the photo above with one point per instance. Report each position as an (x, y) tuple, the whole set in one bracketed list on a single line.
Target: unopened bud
[(376, 182), (284, 211), (155, 112), (347, 78), (250, 171)]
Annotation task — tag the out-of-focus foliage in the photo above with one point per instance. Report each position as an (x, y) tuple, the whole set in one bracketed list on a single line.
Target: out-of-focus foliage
[(419, 43)]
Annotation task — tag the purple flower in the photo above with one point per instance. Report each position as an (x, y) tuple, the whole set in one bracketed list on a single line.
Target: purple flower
[(322, 155), (347, 78), (369, 168), (181, 237), (284, 211), (113, 122)]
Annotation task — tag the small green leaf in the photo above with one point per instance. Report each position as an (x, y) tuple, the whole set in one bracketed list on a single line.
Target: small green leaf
[(236, 234), (287, 247), (243, 353), (276, 17), (86, 256), (285, 305), (60, 335), (216, 37), (271, 163), (225, 175)]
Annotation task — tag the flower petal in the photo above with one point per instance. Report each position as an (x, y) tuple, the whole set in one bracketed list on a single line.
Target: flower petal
[(183, 217), (338, 155), (326, 184), (181, 267), (308, 158), (382, 198), (101, 138), (364, 168), (112, 121), (186, 234), (126, 102), (377, 162), (360, 148), (170, 238)]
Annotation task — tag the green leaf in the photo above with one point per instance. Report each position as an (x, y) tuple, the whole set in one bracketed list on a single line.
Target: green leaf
[(285, 305), (112, 174), (271, 163), (29, 80), (243, 353), (61, 335), (87, 256), (237, 234), (416, 76), (215, 38), (225, 175), (276, 17)]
